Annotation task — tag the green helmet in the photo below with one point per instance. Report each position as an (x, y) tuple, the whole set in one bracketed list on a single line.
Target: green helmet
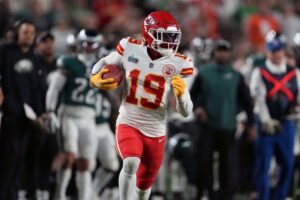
[(179, 145)]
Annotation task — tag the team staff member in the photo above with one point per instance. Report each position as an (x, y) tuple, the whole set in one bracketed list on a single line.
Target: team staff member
[(18, 83), (42, 147), (217, 93), (275, 88)]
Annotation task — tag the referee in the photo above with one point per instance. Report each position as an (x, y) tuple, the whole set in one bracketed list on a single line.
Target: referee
[(20, 105)]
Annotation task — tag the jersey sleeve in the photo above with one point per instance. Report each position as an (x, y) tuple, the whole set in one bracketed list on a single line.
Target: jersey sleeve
[(114, 57), (63, 63), (121, 46), (187, 68)]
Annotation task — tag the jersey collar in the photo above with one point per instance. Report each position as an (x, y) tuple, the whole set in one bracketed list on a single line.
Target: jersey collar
[(276, 69)]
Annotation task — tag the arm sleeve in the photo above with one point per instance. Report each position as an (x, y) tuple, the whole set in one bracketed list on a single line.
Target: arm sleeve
[(184, 104), (245, 100), (258, 92), (114, 57), (57, 83)]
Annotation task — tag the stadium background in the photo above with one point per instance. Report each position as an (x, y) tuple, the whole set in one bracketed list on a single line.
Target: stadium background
[(119, 18)]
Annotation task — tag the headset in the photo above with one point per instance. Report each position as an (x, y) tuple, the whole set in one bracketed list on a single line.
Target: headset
[(18, 24)]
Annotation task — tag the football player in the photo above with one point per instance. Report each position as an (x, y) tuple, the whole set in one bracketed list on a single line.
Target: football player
[(71, 80), (106, 152), (152, 67)]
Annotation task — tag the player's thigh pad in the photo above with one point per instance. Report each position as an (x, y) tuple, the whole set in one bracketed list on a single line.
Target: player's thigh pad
[(106, 147), (70, 134), (128, 141), (87, 140), (151, 161)]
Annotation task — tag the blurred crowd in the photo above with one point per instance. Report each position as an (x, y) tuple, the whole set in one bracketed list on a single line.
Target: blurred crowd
[(205, 159), (243, 22)]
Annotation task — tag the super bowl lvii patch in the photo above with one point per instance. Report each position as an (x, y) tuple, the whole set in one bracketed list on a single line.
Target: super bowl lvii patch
[(133, 59)]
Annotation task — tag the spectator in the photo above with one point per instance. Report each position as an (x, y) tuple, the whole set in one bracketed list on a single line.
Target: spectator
[(107, 10), (60, 31), (216, 93), (259, 24), (296, 48), (42, 144), (290, 23), (9, 36)]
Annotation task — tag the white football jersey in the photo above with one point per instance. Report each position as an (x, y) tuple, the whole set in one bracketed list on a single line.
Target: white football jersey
[(148, 82)]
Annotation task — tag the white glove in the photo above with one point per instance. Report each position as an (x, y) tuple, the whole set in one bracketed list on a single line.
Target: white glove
[(52, 123), (270, 126), (294, 116)]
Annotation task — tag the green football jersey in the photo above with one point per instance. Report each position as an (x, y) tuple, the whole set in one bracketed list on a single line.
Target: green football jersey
[(103, 109), (77, 90)]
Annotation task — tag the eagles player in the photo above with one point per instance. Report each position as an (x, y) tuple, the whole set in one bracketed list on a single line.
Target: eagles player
[(77, 113), (152, 68), (106, 152)]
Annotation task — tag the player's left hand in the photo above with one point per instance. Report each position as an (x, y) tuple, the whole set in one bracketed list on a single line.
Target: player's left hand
[(178, 86)]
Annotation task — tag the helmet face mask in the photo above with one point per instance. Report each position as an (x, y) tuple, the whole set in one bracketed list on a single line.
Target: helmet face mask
[(90, 46), (165, 42), (161, 33), (89, 41)]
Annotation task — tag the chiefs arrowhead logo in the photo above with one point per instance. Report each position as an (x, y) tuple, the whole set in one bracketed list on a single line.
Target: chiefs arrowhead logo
[(168, 70), (148, 21)]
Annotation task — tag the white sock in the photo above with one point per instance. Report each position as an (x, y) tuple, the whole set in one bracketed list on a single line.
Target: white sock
[(83, 183), (143, 194), (22, 195), (42, 195), (62, 181), (127, 178), (46, 195), (102, 177)]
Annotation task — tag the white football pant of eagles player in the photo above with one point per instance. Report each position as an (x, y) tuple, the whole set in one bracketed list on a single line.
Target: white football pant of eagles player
[(106, 152), (71, 80)]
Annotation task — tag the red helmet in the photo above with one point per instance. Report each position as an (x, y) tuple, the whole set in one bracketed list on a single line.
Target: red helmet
[(161, 32)]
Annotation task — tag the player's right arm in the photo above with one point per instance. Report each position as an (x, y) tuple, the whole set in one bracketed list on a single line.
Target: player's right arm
[(56, 84), (114, 58), (57, 81)]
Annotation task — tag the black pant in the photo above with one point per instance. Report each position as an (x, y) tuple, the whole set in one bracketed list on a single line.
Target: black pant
[(13, 142), (224, 143), (42, 148), (246, 163)]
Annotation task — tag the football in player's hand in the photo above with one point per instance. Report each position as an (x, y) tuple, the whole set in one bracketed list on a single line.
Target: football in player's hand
[(114, 72)]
